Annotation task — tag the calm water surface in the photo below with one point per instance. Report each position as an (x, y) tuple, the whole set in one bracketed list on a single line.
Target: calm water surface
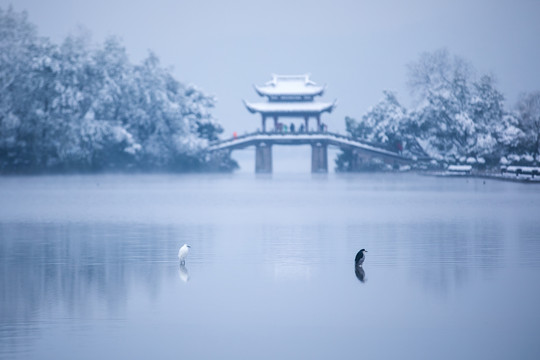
[(88, 267)]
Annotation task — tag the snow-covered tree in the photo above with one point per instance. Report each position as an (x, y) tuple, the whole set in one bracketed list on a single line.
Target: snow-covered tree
[(21, 86), (77, 106), (442, 85), (455, 117), (383, 123), (459, 118), (528, 108), (439, 72), (115, 75)]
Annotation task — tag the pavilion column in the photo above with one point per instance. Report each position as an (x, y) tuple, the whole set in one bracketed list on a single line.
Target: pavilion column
[(306, 122), (263, 123), (319, 158), (318, 123), (263, 158), (275, 123)]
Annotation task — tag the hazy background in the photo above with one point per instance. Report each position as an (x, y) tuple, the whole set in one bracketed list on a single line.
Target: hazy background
[(358, 48)]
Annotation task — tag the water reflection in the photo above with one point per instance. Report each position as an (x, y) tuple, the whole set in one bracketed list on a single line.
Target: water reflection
[(441, 255), (95, 275), (76, 271), (447, 255), (360, 273), (291, 250), (528, 243), (183, 272)]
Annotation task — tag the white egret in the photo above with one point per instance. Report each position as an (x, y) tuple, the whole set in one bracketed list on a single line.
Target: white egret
[(183, 253)]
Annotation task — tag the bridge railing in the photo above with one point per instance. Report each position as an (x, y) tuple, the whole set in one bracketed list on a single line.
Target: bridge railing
[(285, 137), (297, 133)]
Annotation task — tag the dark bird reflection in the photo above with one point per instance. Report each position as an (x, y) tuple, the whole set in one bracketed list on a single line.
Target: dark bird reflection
[(183, 273), (360, 273)]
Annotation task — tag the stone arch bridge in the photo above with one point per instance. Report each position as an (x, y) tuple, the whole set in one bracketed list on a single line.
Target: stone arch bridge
[(362, 152)]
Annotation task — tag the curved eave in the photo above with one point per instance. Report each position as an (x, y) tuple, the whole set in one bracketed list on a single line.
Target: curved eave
[(249, 107), (272, 91), (280, 109), (257, 90)]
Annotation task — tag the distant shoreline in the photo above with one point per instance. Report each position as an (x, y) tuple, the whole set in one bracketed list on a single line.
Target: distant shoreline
[(527, 179)]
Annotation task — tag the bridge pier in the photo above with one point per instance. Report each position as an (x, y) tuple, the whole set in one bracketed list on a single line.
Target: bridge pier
[(263, 158), (319, 158), (364, 156)]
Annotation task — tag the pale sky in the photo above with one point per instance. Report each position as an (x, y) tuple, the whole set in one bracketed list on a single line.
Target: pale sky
[(358, 48)]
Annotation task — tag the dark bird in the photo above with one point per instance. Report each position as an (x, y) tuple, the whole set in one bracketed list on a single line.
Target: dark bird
[(360, 257)]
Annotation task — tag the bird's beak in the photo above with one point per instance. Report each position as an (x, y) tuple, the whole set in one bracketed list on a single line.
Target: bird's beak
[(365, 250)]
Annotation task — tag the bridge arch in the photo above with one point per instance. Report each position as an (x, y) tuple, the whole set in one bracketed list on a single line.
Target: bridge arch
[(319, 142)]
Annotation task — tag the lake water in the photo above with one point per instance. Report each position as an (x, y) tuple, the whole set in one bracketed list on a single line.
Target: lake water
[(89, 268)]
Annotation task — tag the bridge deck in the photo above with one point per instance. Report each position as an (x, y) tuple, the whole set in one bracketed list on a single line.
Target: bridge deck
[(309, 138)]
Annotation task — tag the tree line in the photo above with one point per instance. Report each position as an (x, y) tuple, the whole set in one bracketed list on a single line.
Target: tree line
[(457, 119), (76, 106)]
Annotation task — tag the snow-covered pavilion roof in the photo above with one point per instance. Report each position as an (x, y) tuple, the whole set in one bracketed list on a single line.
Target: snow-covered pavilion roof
[(291, 108), (289, 85)]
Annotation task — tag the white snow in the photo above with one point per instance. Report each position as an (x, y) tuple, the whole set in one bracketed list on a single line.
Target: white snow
[(523, 169), (290, 85), (291, 107), (459, 168)]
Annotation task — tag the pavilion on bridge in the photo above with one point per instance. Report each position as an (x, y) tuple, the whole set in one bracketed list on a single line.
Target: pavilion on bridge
[(293, 96), (290, 96)]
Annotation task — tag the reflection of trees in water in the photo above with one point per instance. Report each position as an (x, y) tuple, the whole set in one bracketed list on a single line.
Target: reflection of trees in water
[(77, 269)]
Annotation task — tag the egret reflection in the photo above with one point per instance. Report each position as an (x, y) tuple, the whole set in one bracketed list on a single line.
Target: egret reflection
[(360, 273), (183, 272)]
